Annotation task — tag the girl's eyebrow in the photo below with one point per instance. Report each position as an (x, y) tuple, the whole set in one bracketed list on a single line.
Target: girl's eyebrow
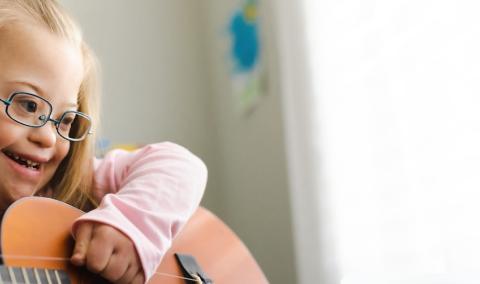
[(71, 105), (35, 88), (38, 91)]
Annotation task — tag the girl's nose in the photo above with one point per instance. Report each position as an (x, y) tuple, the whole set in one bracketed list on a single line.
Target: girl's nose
[(45, 136)]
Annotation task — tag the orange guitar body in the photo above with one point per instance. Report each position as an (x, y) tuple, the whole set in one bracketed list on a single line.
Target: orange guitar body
[(40, 228)]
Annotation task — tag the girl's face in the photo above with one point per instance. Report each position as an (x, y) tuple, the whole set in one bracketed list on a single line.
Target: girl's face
[(34, 60)]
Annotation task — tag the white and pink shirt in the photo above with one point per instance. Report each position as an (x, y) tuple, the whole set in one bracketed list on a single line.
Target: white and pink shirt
[(148, 194)]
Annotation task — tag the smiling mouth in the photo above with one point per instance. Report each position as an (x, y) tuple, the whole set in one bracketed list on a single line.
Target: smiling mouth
[(22, 161)]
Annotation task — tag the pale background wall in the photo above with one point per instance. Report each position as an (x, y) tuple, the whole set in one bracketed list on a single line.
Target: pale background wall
[(166, 78), (152, 56), (252, 171)]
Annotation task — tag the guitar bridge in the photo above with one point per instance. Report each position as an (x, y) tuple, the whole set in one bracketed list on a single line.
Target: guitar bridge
[(191, 269)]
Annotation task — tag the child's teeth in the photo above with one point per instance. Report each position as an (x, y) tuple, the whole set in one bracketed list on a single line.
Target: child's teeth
[(28, 163), (32, 164)]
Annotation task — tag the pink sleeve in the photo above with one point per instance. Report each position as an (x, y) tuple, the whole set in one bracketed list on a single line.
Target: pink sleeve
[(148, 195)]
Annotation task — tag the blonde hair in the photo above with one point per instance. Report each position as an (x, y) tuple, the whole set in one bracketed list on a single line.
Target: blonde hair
[(73, 181)]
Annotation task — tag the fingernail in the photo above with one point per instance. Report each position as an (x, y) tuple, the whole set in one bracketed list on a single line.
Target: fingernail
[(77, 259)]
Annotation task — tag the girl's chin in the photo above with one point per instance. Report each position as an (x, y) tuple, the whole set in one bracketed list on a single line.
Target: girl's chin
[(18, 194), (10, 193)]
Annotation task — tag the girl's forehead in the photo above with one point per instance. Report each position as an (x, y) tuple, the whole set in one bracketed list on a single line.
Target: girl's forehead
[(33, 55)]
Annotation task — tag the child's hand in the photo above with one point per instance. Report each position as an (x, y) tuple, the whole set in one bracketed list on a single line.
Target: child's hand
[(106, 251)]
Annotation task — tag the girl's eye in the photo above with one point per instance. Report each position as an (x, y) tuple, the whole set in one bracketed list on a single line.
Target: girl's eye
[(67, 121), (29, 106)]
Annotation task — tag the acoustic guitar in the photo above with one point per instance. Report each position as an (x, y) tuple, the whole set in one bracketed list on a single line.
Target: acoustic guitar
[(36, 246)]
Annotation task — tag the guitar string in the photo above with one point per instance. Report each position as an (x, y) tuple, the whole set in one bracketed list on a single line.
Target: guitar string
[(62, 259)]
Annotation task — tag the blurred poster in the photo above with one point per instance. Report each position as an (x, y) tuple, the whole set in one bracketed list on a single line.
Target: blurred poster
[(247, 76)]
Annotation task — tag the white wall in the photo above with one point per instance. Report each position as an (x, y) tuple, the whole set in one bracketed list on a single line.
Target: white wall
[(315, 259), (396, 109), (253, 178), (153, 73), (172, 55)]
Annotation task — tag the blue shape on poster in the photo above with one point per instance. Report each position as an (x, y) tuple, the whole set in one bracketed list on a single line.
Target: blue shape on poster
[(245, 49)]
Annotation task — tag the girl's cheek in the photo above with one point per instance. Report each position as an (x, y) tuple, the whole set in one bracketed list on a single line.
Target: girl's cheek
[(61, 153), (8, 132), (64, 150)]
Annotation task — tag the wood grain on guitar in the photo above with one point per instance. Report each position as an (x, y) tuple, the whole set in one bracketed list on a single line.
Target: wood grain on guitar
[(36, 245)]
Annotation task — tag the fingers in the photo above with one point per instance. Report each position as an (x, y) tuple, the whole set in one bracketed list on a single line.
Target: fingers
[(139, 278), (106, 251), (82, 241), (129, 274), (100, 250), (115, 269), (124, 266)]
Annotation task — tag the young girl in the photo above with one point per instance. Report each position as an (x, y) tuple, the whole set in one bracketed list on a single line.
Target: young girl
[(48, 93)]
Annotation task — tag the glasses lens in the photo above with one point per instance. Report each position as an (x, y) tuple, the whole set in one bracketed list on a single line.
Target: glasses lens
[(29, 109), (74, 125)]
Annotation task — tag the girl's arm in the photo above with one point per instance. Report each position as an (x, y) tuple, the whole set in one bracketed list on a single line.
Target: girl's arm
[(148, 195)]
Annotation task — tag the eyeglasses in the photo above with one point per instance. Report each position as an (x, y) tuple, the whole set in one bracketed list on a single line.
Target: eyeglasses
[(34, 111)]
